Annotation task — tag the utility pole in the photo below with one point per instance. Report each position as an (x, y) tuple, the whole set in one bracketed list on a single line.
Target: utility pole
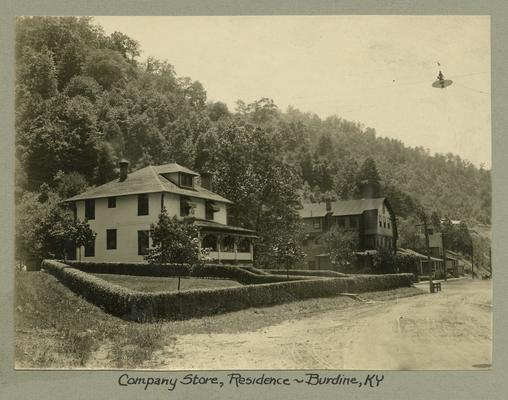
[(423, 217), (444, 254), (490, 261), (472, 260), (472, 251), (427, 245)]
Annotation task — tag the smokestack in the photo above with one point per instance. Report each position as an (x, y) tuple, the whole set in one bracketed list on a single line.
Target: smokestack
[(328, 205), (124, 169), (207, 180)]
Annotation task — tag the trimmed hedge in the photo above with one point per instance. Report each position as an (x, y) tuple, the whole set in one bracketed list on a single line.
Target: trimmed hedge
[(307, 272), (141, 306), (114, 299), (253, 270), (220, 271)]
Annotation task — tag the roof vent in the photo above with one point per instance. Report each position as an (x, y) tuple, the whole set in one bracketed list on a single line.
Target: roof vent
[(124, 169)]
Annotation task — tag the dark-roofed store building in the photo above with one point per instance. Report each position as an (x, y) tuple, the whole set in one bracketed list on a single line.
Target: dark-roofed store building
[(372, 219), (121, 211)]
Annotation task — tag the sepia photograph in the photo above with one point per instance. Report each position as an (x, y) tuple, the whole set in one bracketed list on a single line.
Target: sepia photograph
[(210, 193)]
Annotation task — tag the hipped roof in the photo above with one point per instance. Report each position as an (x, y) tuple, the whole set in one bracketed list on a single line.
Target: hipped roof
[(149, 180), (342, 208)]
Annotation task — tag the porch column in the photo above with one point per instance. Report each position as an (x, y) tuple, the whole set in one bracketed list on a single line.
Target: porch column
[(235, 244), (219, 241)]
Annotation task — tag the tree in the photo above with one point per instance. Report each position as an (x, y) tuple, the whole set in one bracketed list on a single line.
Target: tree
[(217, 110), (106, 164), (173, 241), (83, 86), (402, 203), (81, 234), (341, 245), (108, 68), (344, 181), (435, 220), (261, 112), (71, 63), (287, 251), (409, 236), (250, 170), (37, 73), (464, 239), (69, 184), (368, 179), (62, 137), (44, 226), (127, 47)]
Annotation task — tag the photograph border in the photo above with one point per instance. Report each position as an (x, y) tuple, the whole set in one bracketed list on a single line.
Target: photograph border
[(68, 384)]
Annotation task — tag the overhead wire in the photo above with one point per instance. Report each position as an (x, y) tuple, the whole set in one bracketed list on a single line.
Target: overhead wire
[(398, 84)]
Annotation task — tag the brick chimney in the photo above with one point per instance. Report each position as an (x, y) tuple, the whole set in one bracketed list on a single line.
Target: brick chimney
[(124, 169), (207, 180), (328, 205)]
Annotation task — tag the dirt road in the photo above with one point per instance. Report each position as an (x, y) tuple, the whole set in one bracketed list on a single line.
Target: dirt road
[(451, 329)]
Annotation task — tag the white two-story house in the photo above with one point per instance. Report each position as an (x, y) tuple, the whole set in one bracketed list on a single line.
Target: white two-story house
[(120, 213)]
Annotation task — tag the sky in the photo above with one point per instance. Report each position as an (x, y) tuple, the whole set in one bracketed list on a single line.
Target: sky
[(377, 70)]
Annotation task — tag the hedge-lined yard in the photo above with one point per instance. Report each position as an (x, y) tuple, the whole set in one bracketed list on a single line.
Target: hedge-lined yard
[(165, 283), (307, 272), (139, 306), (239, 274)]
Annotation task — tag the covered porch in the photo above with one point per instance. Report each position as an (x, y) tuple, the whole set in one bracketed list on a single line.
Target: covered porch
[(436, 267), (226, 243)]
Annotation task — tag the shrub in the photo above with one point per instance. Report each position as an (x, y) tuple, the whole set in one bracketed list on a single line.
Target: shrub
[(384, 262), (406, 263)]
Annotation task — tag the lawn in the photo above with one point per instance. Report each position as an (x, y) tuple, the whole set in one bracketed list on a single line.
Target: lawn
[(55, 328), (164, 284)]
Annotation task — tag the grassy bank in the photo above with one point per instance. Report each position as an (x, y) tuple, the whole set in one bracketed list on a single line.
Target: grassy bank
[(57, 329)]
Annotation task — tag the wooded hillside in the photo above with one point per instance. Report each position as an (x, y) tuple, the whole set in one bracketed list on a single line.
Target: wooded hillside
[(84, 99)]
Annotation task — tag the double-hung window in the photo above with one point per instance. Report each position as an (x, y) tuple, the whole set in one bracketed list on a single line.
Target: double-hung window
[(111, 239), (186, 180), (90, 209), (143, 242), (90, 249), (143, 204)]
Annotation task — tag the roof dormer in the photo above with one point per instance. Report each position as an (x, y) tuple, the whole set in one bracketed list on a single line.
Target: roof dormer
[(181, 176)]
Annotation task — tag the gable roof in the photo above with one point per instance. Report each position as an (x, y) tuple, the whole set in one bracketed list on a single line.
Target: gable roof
[(340, 208), (149, 180), (411, 252)]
